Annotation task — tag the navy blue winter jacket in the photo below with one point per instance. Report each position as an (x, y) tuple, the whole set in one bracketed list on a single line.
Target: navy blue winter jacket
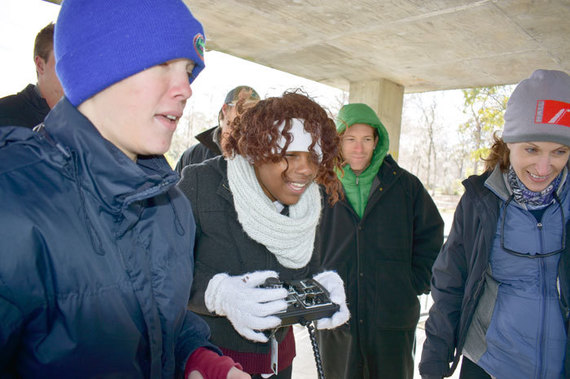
[(95, 257)]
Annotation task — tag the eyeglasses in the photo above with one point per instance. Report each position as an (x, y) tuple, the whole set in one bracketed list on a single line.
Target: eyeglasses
[(526, 254)]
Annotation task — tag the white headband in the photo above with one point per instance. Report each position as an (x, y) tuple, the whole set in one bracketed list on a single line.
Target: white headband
[(301, 138)]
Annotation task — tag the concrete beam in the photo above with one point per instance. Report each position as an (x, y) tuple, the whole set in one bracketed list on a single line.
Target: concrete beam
[(387, 100)]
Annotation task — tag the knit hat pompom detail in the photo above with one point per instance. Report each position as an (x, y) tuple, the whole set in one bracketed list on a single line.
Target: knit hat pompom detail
[(539, 109), (99, 43)]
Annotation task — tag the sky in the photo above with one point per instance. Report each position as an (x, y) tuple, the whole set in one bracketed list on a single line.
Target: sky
[(20, 20)]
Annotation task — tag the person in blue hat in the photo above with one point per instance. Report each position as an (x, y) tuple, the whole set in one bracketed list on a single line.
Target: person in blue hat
[(96, 239)]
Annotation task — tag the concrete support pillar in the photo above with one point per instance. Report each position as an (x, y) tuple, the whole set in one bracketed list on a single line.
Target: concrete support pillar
[(387, 99)]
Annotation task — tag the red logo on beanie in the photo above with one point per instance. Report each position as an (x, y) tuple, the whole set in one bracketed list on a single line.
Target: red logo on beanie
[(552, 112)]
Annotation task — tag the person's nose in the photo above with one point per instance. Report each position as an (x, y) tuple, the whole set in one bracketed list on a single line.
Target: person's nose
[(181, 85), (305, 165), (359, 146), (543, 165)]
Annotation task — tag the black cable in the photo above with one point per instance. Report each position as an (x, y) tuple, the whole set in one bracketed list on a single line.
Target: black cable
[(315, 345)]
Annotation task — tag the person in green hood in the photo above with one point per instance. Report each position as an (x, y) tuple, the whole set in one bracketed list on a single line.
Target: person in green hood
[(382, 239)]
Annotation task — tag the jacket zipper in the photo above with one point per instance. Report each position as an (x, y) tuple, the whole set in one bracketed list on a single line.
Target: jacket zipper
[(541, 348), (541, 266)]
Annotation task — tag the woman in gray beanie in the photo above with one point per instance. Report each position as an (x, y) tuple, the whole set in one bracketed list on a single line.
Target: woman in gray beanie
[(500, 284), (96, 240)]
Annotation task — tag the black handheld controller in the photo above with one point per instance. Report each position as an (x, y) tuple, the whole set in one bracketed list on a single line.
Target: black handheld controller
[(306, 300)]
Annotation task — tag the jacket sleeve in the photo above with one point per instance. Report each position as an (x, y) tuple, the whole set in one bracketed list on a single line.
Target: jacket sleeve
[(564, 280), (189, 185), (10, 329), (195, 333), (447, 289), (316, 263), (21, 292), (428, 238)]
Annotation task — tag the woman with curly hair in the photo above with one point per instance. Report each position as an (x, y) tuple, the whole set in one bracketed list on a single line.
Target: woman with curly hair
[(257, 209)]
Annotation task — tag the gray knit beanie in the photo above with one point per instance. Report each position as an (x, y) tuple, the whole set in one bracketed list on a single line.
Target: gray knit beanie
[(539, 109)]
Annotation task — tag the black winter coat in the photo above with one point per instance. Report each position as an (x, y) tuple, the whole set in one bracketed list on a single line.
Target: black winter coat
[(206, 148), (26, 108), (471, 239), (385, 258), (222, 246)]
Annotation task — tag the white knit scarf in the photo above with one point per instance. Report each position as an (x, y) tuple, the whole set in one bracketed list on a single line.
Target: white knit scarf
[(291, 238)]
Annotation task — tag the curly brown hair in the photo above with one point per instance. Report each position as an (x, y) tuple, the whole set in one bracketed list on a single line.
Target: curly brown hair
[(254, 134), (498, 155)]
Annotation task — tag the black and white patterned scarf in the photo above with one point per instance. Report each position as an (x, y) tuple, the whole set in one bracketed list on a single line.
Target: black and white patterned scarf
[(534, 199)]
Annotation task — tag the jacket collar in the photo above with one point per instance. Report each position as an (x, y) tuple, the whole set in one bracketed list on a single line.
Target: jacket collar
[(33, 97), (210, 139), (99, 167), (220, 165), (498, 183)]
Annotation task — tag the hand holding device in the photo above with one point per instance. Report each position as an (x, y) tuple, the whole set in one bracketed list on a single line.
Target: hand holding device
[(335, 287), (248, 306), (307, 300)]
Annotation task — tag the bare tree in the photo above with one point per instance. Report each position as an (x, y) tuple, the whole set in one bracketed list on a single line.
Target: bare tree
[(428, 114), (485, 107), (421, 132)]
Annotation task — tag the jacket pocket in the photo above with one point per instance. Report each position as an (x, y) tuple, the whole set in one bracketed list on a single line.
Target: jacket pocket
[(475, 341), (396, 303)]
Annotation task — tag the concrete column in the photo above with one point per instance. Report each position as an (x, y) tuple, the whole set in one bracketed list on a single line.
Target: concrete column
[(387, 99)]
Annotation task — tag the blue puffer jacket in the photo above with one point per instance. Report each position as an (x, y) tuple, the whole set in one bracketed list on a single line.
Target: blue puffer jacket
[(95, 255), (473, 272), (518, 329)]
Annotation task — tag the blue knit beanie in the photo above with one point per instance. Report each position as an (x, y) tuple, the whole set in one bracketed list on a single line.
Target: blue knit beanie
[(100, 42)]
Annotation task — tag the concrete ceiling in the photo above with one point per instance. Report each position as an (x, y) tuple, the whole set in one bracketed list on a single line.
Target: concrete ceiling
[(424, 45)]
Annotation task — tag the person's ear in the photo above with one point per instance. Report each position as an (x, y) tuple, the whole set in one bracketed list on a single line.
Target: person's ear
[(225, 109), (375, 141), (40, 65)]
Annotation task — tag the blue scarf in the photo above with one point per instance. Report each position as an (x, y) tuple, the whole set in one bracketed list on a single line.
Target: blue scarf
[(525, 196)]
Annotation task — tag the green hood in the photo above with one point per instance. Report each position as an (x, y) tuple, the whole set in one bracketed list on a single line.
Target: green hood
[(358, 188)]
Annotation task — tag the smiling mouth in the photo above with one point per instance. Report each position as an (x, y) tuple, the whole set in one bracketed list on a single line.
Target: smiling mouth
[(171, 117), (298, 187), (538, 177)]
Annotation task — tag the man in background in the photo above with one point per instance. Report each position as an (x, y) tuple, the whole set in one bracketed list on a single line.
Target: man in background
[(382, 239), (30, 106), (210, 140)]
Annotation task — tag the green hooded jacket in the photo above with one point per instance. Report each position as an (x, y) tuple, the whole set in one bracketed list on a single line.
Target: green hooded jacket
[(357, 188)]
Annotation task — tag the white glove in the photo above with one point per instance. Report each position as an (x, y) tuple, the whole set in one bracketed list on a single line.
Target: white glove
[(335, 286), (248, 307)]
